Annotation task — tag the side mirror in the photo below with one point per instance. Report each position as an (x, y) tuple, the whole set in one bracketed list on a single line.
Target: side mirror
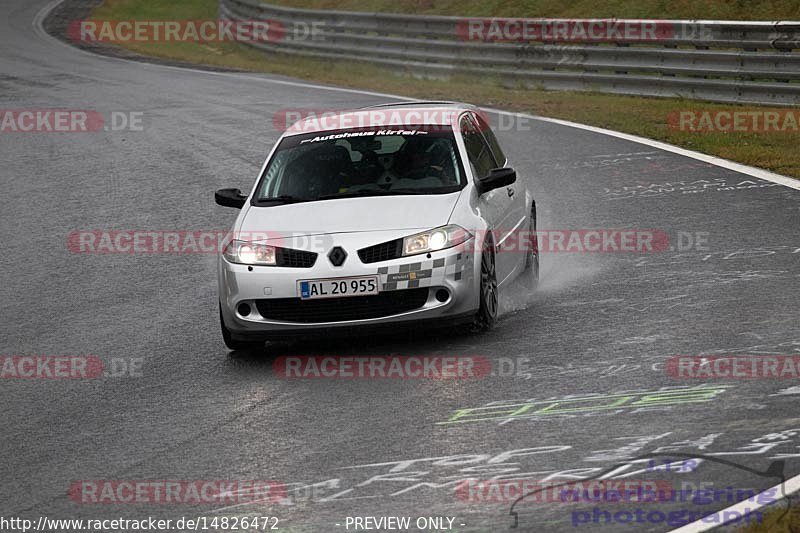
[(498, 177), (230, 198)]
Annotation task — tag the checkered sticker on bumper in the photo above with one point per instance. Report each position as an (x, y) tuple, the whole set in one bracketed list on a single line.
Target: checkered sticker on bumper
[(423, 273)]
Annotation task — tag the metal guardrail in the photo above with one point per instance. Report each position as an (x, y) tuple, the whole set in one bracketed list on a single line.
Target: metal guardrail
[(756, 62)]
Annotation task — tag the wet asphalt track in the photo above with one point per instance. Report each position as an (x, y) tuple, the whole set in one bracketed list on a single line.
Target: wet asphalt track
[(601, 323)]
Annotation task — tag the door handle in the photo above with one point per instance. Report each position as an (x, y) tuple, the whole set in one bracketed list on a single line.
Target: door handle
[(510, 191)]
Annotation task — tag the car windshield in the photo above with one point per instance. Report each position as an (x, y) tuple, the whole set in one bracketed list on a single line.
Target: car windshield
[(362, 162)]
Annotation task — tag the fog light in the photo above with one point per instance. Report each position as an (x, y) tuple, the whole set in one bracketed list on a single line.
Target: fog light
[(243, 309), (442, 295)]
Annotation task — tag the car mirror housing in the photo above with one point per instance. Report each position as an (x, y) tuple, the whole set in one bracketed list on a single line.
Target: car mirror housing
[(497, 177), (230, 198)]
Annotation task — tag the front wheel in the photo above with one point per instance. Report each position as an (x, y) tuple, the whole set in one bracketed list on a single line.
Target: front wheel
[(486, 317)]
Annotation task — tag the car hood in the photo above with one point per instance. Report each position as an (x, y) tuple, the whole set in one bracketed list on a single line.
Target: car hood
[(346, 215)]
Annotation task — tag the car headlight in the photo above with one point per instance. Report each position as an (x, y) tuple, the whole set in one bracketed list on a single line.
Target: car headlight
[(435, 239), (249, 253)]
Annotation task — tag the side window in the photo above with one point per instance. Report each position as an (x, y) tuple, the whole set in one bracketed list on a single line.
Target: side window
[(499, 156), (480, 155)]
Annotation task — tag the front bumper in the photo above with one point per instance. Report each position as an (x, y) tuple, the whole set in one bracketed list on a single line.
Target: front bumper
[(422, 276)]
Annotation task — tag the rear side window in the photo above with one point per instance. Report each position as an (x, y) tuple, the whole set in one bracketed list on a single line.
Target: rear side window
[(499, 156), (478, 152)]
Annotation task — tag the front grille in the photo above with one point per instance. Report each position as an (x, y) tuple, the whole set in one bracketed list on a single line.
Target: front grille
[(342, 309), (381, 252), (287, 257)]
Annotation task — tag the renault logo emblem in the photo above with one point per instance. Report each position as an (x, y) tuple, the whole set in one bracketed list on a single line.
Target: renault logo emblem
[(337, 256)]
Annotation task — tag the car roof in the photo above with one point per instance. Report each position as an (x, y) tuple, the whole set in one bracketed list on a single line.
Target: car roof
[(381, 115)]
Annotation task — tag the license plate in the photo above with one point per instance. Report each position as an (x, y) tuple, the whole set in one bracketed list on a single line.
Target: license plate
[(310, 289)]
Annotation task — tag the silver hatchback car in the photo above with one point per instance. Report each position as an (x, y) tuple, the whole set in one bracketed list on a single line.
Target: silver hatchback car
[(378, 216)]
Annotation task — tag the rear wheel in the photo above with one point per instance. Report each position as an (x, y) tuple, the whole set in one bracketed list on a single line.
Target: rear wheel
[(235, 344), (530, 276), (486, 317)]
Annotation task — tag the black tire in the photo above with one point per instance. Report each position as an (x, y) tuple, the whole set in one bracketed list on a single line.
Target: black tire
[(530, 276), (486, 317), (235, 344)]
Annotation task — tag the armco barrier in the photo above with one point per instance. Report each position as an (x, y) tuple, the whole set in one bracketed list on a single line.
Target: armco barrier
[(756, 62)]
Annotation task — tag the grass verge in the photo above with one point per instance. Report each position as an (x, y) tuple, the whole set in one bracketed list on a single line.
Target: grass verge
[(647, 117), (776, 522), (658, 9)]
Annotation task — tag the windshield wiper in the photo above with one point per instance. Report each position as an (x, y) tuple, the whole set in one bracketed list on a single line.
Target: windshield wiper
[(388, 192), (281, 199), (371, 192)]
